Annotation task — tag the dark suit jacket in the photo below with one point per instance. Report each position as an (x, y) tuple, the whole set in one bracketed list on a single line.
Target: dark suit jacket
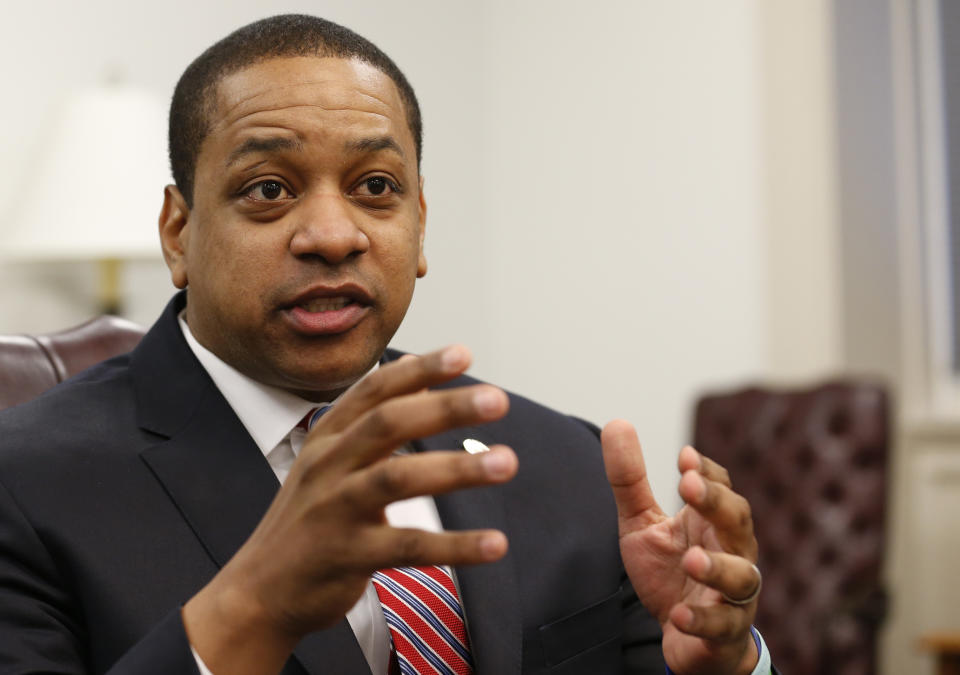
[(124, 490)]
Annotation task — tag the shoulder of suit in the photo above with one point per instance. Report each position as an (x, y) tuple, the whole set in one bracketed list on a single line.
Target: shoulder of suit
[(95, 404)]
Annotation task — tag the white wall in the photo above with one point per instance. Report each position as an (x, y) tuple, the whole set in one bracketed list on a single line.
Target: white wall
[(622, 198), (801, 221), (604, 228)]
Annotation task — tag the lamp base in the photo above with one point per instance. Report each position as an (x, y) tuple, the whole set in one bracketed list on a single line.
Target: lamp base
[(109, 292)]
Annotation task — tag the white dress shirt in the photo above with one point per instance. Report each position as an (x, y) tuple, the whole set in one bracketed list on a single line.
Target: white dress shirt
[(270, 415)]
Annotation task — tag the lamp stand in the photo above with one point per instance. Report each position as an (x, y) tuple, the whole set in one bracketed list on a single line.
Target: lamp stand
[(109, 293)]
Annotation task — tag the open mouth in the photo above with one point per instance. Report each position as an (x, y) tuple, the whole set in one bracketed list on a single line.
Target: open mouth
[(317, 305), (328, 311)]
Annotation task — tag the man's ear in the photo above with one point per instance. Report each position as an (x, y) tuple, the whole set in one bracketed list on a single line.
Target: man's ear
[(422, 261), (174, 234)]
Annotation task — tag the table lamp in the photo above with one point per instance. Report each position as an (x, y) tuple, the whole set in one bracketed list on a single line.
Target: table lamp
[(96, 192)]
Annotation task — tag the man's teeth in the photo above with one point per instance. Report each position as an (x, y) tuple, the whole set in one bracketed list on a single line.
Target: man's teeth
[(325, 304)]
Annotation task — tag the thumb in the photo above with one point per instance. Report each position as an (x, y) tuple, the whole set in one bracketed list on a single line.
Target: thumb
[(627, 475)]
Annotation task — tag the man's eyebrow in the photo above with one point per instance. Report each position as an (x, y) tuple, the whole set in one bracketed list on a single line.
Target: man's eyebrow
[(375, 144), (269, 144)]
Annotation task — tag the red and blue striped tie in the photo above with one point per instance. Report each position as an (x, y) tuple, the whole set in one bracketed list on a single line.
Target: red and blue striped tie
[(425, 619), (422, 610)]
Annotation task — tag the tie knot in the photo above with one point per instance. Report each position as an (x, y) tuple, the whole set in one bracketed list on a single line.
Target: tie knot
[(312, 417)]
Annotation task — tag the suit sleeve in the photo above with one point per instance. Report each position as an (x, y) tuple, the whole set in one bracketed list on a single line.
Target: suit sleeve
[(165, 649), (39, 630)]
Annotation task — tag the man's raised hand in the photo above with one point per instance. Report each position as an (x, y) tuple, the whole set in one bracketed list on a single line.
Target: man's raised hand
[(682, 566), (308, 561)]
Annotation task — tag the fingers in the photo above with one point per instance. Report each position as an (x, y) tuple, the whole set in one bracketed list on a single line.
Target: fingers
[(705, 486), (429, 473), (733, 576), (716, 549), (393, 406), (378, 432), (407, 375), (728, 574), (627, 474), (727, 511), (724, 624), (410, 547), (718, 623), (691, 460)]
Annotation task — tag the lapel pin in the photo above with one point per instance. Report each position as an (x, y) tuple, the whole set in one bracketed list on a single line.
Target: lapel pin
[(474, 446)]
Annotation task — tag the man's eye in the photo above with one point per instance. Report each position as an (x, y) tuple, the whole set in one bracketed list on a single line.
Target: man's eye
[(377, 186), (267, 191)]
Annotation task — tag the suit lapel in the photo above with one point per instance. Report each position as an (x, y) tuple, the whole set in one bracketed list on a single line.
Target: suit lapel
[(489, 592), (213, 471), (216, 475)]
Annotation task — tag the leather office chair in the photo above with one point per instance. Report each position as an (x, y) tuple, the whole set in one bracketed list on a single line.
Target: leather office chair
[(29, 365), (813, 465)]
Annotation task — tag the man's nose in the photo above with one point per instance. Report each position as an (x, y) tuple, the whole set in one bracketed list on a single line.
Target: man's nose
[(327, 228)]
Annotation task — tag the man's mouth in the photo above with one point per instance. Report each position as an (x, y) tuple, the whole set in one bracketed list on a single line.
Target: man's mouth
[(317, 305), (328, 311)]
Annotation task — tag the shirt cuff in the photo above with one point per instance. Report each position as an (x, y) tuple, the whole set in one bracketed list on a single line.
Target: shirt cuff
[(764, 663), (200, 664)]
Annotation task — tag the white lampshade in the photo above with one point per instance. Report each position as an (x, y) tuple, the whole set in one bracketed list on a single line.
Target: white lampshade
[(99, 183)]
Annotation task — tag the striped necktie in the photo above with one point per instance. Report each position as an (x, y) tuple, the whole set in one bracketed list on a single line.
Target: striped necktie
[(425, 619), (422, 610)]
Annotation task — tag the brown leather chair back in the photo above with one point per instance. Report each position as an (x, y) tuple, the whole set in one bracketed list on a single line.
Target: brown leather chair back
[(813, 465), (29, 365)]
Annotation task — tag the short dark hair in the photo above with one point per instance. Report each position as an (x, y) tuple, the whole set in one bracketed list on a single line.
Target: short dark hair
[(285, 35)]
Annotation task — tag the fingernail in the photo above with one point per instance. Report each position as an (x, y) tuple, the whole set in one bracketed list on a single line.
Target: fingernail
[(453, 359), (683, 617), (492, 545), (488, 401), (497, 464), (701, 488)]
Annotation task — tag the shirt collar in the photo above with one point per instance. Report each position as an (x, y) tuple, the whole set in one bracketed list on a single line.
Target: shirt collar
[(268, 413)]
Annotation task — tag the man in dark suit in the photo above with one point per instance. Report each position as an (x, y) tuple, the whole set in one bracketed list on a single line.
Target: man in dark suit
[(154, 519)]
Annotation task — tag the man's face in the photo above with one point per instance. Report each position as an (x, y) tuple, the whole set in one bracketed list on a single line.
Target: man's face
[(306, 233)]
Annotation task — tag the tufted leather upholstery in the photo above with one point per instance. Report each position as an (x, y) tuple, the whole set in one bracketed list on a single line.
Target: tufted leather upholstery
[(813, 465), (29, 365)]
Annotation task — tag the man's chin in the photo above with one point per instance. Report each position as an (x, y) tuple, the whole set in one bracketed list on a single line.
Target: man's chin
[(317, 367), (325, 384)]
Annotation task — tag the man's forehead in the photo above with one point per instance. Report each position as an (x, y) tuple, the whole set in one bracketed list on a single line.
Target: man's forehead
[(326, 83)]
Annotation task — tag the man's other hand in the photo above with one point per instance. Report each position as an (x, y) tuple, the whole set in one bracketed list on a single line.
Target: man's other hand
[(308, 561), (682, 566)]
